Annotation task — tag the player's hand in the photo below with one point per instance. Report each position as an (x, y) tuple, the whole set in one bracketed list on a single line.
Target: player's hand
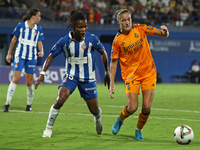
[(40, 54), (112, 90), (107, 80), (8, 58), (39, 80)]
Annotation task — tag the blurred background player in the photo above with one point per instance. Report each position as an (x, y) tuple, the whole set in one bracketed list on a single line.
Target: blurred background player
[(29, 36), (195, 72), (78, 47), (130, 45)]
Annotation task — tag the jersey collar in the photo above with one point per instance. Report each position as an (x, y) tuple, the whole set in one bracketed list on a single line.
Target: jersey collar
[(71, 39), (26, 25)]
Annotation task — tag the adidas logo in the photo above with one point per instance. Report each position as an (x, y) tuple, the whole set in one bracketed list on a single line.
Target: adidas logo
[(123, 43), (153, 84)]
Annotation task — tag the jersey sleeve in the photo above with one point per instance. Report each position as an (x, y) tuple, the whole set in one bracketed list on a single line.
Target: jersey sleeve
[(97, 44), (149, 30), (41, 36), (58, 47), (115, 48), (16, 31)]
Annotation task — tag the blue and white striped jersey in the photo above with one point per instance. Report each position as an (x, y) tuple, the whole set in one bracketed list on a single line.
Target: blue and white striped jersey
[(27, 40), (80, 55)]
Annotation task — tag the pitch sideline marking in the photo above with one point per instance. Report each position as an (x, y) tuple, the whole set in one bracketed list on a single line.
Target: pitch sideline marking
[(158, 118)]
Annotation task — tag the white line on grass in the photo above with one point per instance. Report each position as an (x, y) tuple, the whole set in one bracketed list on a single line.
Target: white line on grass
[(158, 118)]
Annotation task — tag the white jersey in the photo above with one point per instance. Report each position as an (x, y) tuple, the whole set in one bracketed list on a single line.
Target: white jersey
[(80, 55), (27, 40)]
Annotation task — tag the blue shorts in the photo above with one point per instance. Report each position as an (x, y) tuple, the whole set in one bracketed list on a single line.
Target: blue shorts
[(87, 90), (28, 65)]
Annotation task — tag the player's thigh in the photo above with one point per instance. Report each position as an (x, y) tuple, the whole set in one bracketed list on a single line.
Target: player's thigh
[(147, 98), (16, 76), (148, 87), (132, 101)]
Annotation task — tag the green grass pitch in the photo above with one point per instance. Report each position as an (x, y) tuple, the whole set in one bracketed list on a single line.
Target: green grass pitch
[(173, 105)]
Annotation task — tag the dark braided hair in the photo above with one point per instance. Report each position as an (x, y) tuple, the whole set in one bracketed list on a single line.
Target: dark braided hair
[(31, 12), (74, 16)]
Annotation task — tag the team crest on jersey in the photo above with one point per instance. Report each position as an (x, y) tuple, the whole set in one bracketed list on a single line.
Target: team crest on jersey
[(34, 33), (16, 65), (136, 35), (84, 46), (64, 80)]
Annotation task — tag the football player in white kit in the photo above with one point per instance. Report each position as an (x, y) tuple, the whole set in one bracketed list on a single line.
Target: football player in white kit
[(78, 48), (29, 36)]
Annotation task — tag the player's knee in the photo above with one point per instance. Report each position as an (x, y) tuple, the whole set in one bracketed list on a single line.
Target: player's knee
[(59, 102), (146, 111), (131, 110)]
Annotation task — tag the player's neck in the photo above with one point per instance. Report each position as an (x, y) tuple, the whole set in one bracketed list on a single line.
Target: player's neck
[(31, 24)]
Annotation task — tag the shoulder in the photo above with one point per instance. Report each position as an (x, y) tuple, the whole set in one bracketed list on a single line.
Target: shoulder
[(91, 37), (116, 38), (39, 27)]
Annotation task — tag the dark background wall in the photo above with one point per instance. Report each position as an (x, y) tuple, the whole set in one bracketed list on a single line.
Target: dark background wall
[(173, 55)]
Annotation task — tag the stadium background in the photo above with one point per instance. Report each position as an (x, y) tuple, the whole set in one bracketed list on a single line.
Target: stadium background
[(173, 56)]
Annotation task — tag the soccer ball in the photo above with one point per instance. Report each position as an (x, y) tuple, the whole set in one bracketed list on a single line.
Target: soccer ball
[(183, 134)]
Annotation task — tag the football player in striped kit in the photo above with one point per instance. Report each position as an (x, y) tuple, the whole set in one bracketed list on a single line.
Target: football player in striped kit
[(29, 36), (78, 47)]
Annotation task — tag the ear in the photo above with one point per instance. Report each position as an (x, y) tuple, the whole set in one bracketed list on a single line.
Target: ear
[(118, 22)]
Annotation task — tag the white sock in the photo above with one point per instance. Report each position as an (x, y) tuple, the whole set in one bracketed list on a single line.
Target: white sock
[(53, 113), (99, 115), (30, 94), (10, 93), (138, 129)]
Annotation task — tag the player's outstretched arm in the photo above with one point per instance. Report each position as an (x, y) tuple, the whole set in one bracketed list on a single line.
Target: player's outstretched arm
[(163, 32), (113, 69), (46, 65), (104, 59)]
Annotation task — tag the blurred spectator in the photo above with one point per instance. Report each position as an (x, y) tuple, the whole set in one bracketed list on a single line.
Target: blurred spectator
[(196, 4), (101, 5), (194, 17), (86, 6), (195, 72), (78, 4), (184, 16)]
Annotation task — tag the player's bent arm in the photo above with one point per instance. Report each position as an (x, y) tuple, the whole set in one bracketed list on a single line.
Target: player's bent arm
[(12, 44), (113, 69), (48, 62), (163, 32), (46, 65), (40, 47), (104, 59)]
